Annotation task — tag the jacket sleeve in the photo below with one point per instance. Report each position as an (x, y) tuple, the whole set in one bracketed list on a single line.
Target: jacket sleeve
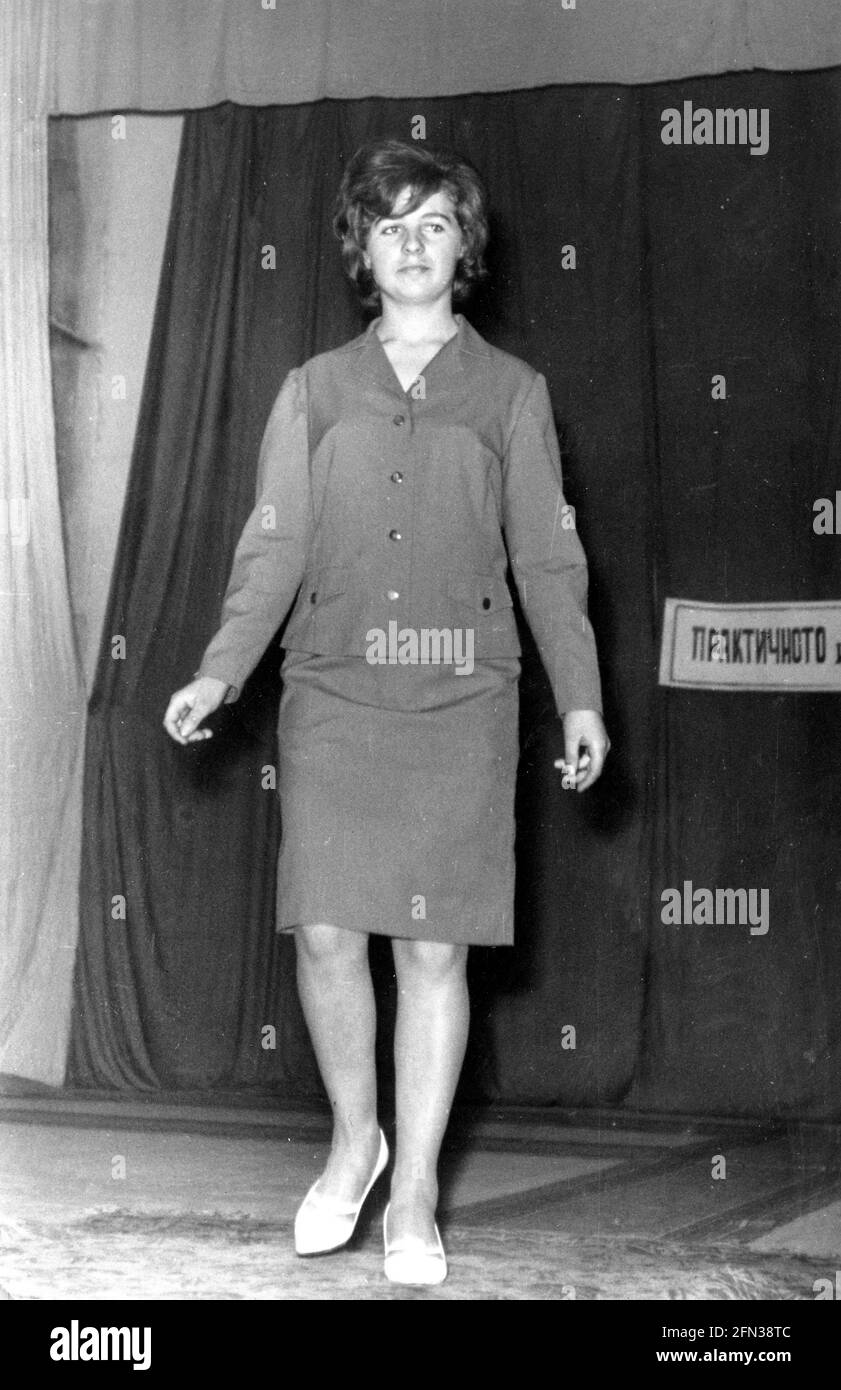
[(546, 555), (268, 563)]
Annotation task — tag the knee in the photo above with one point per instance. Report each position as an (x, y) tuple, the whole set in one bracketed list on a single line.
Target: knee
[(433, 962), (323, 946)]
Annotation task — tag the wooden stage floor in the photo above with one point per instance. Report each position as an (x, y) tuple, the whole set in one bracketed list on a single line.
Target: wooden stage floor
[(188, 1197)]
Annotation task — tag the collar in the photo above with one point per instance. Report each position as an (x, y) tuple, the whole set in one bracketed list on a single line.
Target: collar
[(466, 342)]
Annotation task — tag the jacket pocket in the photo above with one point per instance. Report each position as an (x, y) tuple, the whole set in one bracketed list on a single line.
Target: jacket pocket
[(320, 585), (316, 608), (482, 593)]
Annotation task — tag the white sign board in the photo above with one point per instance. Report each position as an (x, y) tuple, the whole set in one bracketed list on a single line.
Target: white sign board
[(751, 646)]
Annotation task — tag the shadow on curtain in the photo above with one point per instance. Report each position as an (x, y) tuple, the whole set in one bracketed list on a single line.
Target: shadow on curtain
[(689, 261)]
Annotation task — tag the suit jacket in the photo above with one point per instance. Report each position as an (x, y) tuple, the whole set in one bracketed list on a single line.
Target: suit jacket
[(378, 505)]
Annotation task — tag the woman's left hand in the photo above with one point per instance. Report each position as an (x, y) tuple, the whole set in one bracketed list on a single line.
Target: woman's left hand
[(586, 745)]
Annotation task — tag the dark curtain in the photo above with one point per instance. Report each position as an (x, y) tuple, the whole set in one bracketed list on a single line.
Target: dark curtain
[(690, 261)]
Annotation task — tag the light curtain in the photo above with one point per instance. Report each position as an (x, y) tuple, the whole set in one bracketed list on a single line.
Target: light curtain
[(157, 55), (41, 699)]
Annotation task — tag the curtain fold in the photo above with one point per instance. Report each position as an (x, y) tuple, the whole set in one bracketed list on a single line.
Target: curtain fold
[(742, 273), (154, 55), (689, 262), (41, 697)]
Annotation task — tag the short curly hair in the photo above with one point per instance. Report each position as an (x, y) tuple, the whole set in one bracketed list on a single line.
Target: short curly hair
[(374, 181)]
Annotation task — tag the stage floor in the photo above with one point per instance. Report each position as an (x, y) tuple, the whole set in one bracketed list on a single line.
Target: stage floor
[(181, 1198)]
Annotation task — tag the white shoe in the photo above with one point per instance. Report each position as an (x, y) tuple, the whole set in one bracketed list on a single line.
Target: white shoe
[(412, 1261), (323, 1224)]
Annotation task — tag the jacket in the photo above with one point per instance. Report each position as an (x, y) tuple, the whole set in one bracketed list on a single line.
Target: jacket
[(377, 505)]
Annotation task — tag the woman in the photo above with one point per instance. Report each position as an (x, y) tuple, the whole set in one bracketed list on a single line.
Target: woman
[(398, 477)]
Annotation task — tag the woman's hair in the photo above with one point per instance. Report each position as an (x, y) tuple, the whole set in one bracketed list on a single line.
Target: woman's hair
[(376, 177)]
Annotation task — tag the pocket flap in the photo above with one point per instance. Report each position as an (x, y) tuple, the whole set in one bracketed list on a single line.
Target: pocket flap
[(325, 583), (485, 592)]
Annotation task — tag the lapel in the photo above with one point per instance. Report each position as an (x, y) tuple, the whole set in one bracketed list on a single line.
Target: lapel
[(371, 361)]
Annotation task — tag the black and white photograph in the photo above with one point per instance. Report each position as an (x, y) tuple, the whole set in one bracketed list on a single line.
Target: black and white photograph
[(420, 527)]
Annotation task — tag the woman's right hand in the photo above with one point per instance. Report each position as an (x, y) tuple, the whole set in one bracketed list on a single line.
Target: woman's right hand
[(188, 707)]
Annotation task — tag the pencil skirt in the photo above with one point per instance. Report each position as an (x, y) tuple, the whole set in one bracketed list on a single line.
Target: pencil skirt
[(396, 787)]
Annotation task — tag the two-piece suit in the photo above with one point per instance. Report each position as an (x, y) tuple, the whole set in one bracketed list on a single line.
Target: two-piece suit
[(376, 505)]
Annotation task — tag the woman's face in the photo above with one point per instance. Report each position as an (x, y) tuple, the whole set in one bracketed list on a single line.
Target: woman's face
[(413, 256)]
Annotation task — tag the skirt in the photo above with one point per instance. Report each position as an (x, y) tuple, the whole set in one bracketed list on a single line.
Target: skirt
[(396, 787)]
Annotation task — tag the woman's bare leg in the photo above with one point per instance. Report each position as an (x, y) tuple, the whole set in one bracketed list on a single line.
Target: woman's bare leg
[(337, 996), (433, 1015)]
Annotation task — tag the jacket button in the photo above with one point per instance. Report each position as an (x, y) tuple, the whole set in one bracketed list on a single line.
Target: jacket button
[(395, 536), (313, 597), (486, 603), (397, 477), (392, 594), (399, 419)]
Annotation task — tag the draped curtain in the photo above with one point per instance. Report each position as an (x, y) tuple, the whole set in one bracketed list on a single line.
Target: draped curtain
[(41, 699), (157, 55), (689, 261)]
